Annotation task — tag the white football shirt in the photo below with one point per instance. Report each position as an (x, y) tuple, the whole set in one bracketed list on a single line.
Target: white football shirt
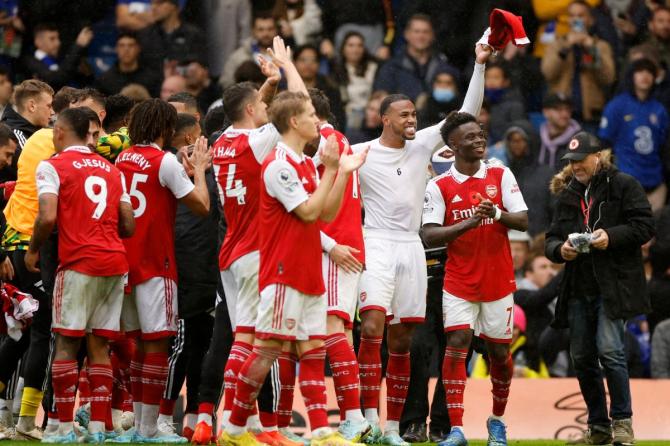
[(393, 181)]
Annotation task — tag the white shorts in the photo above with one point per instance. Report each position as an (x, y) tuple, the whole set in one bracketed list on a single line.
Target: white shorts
[(491, 321), (395, 279), (150, 310), (341, 290), (287, 314), (240, 285), (87, 304)]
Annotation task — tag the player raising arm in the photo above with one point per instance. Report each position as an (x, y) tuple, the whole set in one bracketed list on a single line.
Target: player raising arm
[(470, 208)]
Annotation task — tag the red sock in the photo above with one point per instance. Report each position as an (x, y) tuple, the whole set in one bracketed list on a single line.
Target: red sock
[(453, 379), (313, 386), (154, 377), (167, 407), (268, 419), (101, 379), (249, 382), (64, 375), (136, 375), (370, 363), (207, 408), (109, 422), (344, 365), (84, 385), (397, 384), (239, 353), (287, 364), (501, 378)]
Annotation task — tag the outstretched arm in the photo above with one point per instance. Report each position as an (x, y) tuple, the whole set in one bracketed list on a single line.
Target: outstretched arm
[(282, 57)]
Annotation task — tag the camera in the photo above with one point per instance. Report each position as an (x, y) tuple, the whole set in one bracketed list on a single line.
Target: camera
[(581, 241)]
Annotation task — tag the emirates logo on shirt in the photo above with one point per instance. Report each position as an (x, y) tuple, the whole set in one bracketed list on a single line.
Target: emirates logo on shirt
[(290, 323), (491, 190)]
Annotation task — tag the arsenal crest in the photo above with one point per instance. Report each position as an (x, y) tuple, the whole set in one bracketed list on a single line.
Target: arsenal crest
[(290, 323), (363, 296), (491, 190)]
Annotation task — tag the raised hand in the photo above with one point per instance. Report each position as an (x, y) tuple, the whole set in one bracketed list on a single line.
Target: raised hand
[(349, 163), (269, 69), (330, 153), (482, 53), (201, 156), (280, 53)]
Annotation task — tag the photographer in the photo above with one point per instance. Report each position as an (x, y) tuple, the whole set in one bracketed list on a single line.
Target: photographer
[(601, 220)]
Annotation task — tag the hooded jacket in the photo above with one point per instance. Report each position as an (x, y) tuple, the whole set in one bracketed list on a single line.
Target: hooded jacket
[(621, 208)]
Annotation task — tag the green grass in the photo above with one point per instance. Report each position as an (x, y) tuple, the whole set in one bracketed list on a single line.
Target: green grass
[(471, 443)]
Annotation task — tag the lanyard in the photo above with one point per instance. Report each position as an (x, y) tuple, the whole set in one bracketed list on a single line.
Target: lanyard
[(586, 210)]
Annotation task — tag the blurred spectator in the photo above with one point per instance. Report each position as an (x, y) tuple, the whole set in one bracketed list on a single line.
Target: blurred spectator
[(166, 41), (355, 71), (44, 63), (554, 22), (199, 83), (228, 24), (520, 246), (581, 65), (659, 34), (136, 92), (33, 103), (262, 32), (536, 293), (172, 85), (117, 109), (249, 71), (660, 351), (629, 18), (557, 130), (6, 89), (661, 90), (11, 29), (524, 73), (522, 144), (133, 15), (635, 126), (215, 121), (185, 103), (444, 97), (412, 72), (307, 59), (372, 18), (638, 328), (372, 123), (299, 20), (128, 69), (504, 99)]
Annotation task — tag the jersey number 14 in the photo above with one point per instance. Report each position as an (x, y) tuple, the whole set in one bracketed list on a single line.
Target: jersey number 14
[(233, 187)]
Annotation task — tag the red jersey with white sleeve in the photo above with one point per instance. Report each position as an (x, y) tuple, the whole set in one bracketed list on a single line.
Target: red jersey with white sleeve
[(347, 227), (89, 191), (290, 248), (155, 180), (238, 154), (479, 263)]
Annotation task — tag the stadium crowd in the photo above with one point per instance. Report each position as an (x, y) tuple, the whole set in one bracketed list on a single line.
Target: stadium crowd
[(178, 74)]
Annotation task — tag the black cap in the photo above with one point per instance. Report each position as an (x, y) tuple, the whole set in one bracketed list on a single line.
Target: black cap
[(556, 99), (581, 145)]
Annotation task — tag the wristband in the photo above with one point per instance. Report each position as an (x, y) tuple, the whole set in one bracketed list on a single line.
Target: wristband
[(498, 214)]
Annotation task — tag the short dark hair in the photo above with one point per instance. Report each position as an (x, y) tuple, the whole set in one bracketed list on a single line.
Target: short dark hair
[(4, 71), (659, 8), (249, 71), (78, 119), (184, 98), (46, 26), (502, 66), (64, 98), (390, 99), (320, 102), (5, 134), (184, 121), (236, 97), (215, 120), (152, 119), (90, 93), (306, 47), (419, 17), (454, 120), (263, 15), (644, 64), (127, 34), (117, 109)]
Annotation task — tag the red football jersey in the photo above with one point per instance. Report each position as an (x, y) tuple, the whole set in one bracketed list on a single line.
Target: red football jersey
[(290, 249), (89, 191), (237, 173), (479, 263), (154, 180), (347, 227)]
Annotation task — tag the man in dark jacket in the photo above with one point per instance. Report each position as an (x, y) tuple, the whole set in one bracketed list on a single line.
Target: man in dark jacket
[(604, 282)]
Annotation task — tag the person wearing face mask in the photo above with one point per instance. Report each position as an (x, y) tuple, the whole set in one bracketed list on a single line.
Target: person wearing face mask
[(443, 98), (505, 100), (603, 284)]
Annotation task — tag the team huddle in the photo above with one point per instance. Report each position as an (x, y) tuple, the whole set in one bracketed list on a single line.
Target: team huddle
[(296, 262)]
